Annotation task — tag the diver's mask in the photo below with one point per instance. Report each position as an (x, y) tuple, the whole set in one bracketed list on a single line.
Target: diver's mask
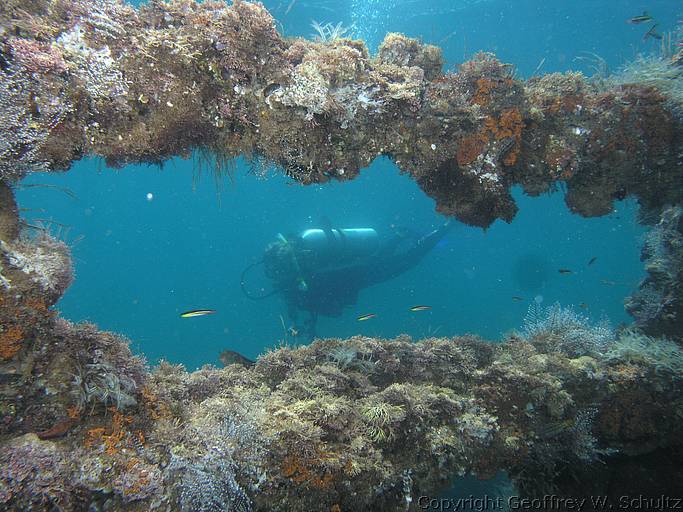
[(281, 262)]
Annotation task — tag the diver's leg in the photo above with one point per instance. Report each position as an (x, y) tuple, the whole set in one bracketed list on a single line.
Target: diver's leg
[(389, 247), (425, 244), (396, 264), (292, 313), (310, 326)]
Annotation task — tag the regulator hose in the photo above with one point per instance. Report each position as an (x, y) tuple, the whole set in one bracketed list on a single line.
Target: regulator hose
[(244, 288)]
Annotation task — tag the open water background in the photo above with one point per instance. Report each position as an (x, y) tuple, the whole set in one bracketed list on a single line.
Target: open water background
[(140, 263)]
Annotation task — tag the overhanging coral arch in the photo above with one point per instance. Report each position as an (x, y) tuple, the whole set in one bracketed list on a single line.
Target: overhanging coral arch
[(102, 78)]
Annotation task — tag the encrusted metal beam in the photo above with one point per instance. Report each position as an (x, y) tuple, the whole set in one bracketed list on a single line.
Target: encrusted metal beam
[(102, 78)]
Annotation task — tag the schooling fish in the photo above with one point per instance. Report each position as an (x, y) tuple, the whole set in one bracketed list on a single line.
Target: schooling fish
[(517, 298), (592, 260), (229, 357), (643, 18), (420, 308), (565, 271), (583, 305), (607, 282), (363, 318), (197, 312)]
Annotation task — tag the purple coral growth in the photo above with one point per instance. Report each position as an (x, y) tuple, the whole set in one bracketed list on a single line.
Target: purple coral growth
[(34, 474)]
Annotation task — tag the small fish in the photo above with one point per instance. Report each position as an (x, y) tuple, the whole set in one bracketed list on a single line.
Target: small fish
[(229, 357), (420, 308), (197, 312), (637, 20), (565, 271), (517, 298), (607, 282), (651, 33), (58, 430), (592, 260), (583, 305), (363, 318)]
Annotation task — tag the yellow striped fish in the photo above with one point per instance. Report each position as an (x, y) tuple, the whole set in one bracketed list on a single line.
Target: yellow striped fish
[(363, 318), (420, 308), (197, 312)]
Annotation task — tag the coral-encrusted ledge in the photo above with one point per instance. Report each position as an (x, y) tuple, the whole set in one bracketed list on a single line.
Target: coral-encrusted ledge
[(143, 85), (357, 424)]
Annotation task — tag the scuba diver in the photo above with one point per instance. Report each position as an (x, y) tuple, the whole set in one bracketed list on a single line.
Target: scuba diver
[(321, 271)]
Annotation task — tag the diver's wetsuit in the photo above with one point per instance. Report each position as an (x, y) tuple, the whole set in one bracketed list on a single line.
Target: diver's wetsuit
[(329, 290)]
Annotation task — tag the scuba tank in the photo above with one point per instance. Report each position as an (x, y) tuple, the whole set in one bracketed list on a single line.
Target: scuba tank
[(333, 246), (288, 261)]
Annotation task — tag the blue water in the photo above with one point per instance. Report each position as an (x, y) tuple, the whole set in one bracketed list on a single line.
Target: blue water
[(141, 262)]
